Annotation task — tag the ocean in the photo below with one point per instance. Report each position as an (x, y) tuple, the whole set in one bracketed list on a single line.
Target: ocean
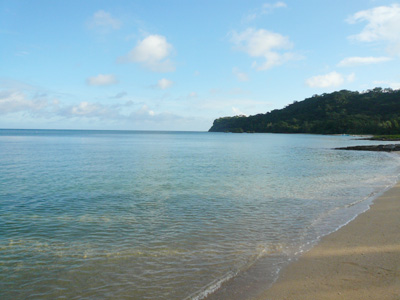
[(171, 215)]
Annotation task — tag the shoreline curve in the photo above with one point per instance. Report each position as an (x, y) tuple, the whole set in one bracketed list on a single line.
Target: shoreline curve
[(361, 260)]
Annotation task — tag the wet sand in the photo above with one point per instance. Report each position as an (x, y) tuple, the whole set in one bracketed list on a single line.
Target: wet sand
[(359, 261)]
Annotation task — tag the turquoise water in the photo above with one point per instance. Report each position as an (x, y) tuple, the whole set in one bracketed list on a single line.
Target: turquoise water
[(169, 215)]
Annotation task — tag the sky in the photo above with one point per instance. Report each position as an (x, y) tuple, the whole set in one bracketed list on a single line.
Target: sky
[(180, 64)]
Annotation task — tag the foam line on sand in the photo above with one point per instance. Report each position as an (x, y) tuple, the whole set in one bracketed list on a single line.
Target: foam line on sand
[(359, 261)]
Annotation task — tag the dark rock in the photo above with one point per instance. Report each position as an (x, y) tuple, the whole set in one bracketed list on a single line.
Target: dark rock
[(385, 148)]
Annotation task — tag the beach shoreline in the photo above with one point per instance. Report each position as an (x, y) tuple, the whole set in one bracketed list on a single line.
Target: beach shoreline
[(361, 260)]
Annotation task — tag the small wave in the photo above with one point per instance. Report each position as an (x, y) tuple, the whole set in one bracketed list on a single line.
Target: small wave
[(332, 216), (261, 251), (361, 200), (212, 287)]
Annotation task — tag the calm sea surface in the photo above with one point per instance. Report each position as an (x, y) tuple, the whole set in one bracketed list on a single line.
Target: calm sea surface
[(170, 215)]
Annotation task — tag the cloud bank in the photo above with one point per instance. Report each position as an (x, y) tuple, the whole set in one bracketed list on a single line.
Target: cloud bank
[(15, 101), (41, 106)]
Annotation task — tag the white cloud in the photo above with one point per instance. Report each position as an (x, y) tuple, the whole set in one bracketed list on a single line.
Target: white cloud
[(104, 22), (383, 24), (332, 79), (265, 44), (193, 95), (152, 52), (359, 61), (101, 80), (266, 8), (164, 84), (241, 76)]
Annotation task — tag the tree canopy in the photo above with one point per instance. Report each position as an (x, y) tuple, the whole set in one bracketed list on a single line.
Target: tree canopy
[(375, 111)]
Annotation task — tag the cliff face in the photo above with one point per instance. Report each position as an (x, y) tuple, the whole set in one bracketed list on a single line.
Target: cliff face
[(375, 111)]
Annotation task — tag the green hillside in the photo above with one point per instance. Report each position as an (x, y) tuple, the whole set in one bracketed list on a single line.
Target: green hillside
[(375, 111)]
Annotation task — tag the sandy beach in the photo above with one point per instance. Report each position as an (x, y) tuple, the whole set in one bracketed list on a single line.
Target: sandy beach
[(359, 261)]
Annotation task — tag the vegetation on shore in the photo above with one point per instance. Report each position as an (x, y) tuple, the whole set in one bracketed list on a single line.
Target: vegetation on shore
[(375, 111)]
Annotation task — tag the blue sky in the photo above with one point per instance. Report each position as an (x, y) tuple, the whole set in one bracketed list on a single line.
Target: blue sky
[(178, 65)]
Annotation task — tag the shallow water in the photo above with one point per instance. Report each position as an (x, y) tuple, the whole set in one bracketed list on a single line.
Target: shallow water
[(169, 215)]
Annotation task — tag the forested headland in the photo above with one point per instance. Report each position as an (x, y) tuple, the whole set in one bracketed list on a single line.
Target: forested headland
[(375, 111)]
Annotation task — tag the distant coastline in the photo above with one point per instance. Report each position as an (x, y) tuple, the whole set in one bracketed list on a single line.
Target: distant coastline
[(373, 112)]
